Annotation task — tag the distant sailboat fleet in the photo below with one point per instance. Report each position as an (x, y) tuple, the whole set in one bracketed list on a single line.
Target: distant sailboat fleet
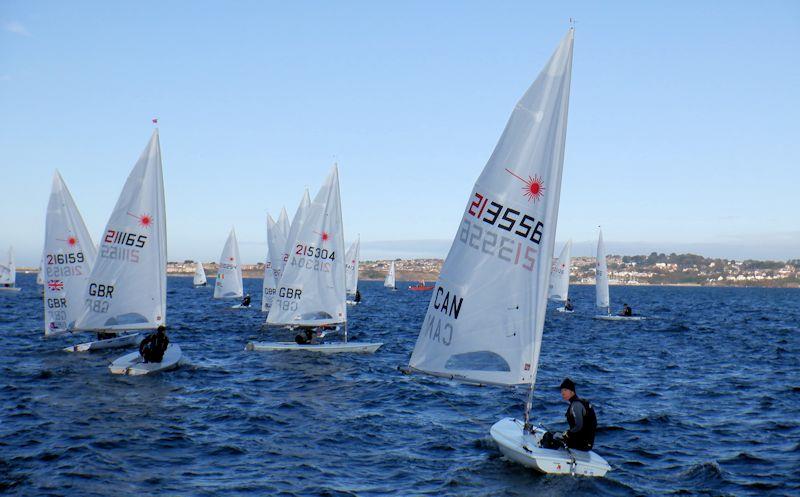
[(486, 314)]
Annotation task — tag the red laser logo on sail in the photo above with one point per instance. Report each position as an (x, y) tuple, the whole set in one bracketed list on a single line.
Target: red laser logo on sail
[(144, 220), (534, 186), (325, 235)]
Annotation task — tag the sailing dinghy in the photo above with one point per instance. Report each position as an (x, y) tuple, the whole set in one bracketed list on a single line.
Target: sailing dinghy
[(389, 281), (127, 288), (199, 275), (351, 270), (559, 278), (486, 315), (312, 290), (420, 287), (602, 299), (8, 275), (228, 284)]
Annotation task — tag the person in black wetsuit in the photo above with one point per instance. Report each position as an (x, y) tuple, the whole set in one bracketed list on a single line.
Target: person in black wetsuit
[(154, 345), (358, 296), (246, 301), (626, 310), (581, 418), (568, 305)]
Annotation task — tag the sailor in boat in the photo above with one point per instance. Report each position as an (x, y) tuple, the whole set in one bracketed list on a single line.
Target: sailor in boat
[(105, 336), (311, 335), (246, 301), (626, 310), (358, 296), (582, 422), (568, 305), (154, 345)]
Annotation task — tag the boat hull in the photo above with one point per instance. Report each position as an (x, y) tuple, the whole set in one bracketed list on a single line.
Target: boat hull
[(10, 289), (110, 343), (133, 365), (320, 348), (564, 310), (523, 448), (619, 318)]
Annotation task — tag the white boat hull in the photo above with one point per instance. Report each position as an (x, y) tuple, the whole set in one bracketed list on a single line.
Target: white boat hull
[(10, 289), (321, 348), (612, 317), (352, 302), (133, 365), (109, 343), (240, 306), (564, 310), (523, 448)]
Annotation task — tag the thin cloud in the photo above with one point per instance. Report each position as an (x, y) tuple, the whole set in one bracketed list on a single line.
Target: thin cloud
[(16, 28)]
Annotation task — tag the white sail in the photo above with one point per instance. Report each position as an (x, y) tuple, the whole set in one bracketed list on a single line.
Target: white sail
[(267, 284), (351, 267), (276, 244), (294, 229), (128, 285), (389, 281), (229, 273), (559, 274), (601, 275), (283, 222), (69, 255), (486, 314), (199, 274), (312, 290), (8, 272)]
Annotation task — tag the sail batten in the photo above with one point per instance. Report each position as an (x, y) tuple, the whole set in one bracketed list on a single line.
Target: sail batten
[(486, 315)]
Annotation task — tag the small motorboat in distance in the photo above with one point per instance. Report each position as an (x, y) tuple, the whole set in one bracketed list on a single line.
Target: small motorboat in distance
[(421, 287)]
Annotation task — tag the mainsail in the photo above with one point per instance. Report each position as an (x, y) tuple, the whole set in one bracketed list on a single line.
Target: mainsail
[(559, 274), (69, 255), (276, 244), (229, 273), (127, 288), (199, 274), (601, 275), (8, 272), (312, 290), (389, 281), (351, 267), (486, 314), (294, 229)]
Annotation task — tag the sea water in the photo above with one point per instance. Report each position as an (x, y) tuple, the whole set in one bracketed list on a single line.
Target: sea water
[(704, 398)]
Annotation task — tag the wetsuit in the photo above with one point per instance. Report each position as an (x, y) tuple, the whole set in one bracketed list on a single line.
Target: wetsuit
[(358, 296), (582, 424), (627, 311), (153, 347), (246, 301), (568, 306)]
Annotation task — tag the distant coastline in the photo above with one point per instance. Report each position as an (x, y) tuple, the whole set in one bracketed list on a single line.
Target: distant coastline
[(656, 269)]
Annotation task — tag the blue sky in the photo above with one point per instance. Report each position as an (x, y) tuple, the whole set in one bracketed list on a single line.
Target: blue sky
[(683, 127)]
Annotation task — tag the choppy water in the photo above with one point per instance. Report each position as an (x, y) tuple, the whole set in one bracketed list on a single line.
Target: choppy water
[(704, 400)]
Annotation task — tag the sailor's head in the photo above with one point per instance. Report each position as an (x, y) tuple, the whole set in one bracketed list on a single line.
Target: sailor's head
[(567, 389), (161, 329)]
